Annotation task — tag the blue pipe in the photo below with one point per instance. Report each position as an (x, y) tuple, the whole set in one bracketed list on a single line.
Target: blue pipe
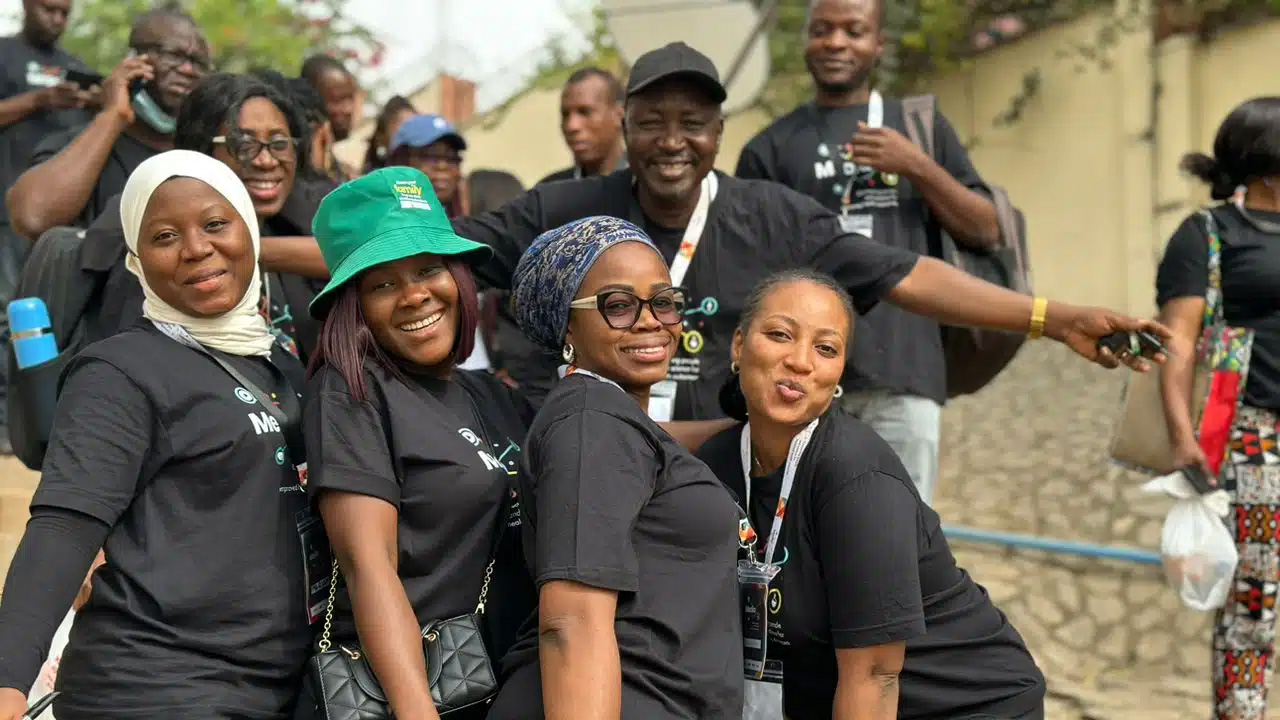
[(1052, 545)]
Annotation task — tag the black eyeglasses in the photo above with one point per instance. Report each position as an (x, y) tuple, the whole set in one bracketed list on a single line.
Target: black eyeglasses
[(621, 309), (169, 59), (246, 148)]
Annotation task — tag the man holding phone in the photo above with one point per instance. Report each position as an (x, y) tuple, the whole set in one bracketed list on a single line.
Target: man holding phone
[(72, 174)]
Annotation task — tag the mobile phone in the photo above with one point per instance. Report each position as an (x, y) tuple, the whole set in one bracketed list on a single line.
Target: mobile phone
[(83, 78), (1198, 478), (1141, 343)]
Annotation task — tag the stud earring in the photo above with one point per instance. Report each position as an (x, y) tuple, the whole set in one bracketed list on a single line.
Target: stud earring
[(567, 353)]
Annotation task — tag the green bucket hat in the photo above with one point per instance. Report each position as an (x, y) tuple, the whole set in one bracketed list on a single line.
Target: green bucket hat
[(387, 215)]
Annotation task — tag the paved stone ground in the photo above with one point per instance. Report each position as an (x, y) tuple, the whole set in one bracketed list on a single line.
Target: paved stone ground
[(1029, 455)]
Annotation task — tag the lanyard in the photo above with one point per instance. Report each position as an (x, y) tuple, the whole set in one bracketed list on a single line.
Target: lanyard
[(798, 445), (567, 370), (693, 231), (288, 427)]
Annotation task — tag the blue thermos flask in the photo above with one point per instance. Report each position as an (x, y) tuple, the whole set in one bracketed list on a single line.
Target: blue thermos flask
[(31, 332)]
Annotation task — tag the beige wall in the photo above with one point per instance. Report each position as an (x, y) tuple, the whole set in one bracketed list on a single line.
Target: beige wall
[(1092, 161)]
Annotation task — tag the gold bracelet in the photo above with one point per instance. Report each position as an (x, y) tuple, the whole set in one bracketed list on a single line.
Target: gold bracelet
[(1039, 308)]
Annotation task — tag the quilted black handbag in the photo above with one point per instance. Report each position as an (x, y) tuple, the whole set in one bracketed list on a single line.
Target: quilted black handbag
[(340, 685)]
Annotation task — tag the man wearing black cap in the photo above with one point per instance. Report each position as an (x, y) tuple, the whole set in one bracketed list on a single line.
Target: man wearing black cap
[(722, 235)]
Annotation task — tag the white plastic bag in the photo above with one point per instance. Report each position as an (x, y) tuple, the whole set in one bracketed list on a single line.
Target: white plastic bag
[(1197, 550)]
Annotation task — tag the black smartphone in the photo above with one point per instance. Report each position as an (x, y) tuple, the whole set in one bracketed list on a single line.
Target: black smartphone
[(1198, 478), (1135, 343), (83, 78)]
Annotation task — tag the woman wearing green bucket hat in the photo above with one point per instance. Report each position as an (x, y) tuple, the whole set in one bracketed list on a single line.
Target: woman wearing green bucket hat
[(412, 458)]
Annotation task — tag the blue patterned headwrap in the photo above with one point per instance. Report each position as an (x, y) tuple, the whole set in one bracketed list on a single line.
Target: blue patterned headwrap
[(550, 272)]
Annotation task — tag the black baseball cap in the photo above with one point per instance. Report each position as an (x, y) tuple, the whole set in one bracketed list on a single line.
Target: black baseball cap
[(675, 60)]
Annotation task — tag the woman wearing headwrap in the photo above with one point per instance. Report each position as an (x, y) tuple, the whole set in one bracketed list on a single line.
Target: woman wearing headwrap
[(176, 449), (632, 540), (411, 457)]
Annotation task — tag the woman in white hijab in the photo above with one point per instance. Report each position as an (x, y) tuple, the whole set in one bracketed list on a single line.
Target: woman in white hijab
[(175, 449)]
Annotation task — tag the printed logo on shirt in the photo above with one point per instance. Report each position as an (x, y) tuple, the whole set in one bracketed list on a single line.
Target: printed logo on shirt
[(43, 76), (263, 423), (686, 366), (775, 601), (246, 397), (872, 189), (280, 455), (490, 462), (410, 194)]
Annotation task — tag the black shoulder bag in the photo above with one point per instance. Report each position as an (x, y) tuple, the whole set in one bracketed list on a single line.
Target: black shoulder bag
[(340, 684)]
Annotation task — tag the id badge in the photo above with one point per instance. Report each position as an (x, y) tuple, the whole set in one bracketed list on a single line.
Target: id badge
[(317, 569), (753, 595), (860, 224), (662, 401)]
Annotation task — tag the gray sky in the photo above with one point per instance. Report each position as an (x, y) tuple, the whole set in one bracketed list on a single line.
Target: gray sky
[(496, 43)]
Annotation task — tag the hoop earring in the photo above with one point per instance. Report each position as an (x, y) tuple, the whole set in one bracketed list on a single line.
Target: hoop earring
[(567, 353), (733, 367)]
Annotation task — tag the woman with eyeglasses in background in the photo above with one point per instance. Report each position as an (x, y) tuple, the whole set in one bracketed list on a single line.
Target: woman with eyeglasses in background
[(631, 539)]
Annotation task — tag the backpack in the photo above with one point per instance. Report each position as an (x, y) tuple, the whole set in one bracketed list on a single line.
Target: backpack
[(53, 273), (975, 357)]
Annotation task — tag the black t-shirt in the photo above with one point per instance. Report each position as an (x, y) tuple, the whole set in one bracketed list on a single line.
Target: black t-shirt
[(202, 609), (865, 563), (807, 150), (753, 229), (442, 453), (1250, 287), (23, 68), (125, 156), (612, 501)]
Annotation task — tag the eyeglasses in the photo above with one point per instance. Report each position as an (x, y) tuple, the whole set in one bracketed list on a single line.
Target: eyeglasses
[(170, 59), (246, 148), (621, 309), (434, 159)]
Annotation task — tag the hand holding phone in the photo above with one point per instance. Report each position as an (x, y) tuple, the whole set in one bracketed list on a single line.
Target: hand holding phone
[(1137, 344), (82, 78), (119, 87)]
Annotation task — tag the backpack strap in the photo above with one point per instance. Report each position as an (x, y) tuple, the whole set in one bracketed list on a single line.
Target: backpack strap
[(919, 111)]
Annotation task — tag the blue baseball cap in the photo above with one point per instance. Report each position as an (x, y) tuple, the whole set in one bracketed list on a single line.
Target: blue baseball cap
[(423, 130)]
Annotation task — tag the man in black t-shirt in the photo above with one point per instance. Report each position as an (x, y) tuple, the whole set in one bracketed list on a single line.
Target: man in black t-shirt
[(35, 97), (723, 235), (848, 150), (73, 173), (591, 122)]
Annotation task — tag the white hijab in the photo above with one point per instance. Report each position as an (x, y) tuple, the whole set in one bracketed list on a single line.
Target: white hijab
[(240, 331)]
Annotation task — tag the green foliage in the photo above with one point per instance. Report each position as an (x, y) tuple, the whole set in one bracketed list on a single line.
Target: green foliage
[(242, 34)]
